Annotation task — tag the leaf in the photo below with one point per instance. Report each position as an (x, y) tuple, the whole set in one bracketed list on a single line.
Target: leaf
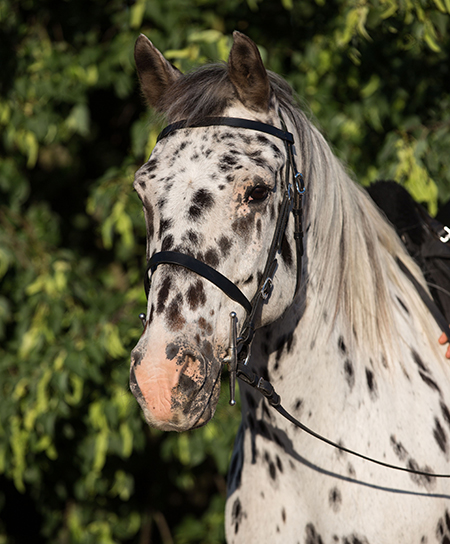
[(79, 120), (137, 13), (430, 37)]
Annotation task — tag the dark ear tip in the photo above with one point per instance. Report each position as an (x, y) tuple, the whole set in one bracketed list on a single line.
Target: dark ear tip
[(142, 42), (239, 37)]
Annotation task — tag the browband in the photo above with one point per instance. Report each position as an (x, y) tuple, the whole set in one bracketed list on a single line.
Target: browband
[(229, 122)]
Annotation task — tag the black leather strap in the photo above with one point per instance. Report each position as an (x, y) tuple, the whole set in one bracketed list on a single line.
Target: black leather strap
[(202, 269), (230, 122)]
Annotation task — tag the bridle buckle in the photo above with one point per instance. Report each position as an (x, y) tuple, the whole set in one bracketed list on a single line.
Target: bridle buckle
[(266, 289)]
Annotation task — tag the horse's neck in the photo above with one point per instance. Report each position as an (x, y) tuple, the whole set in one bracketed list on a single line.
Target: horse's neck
[(314, 359)]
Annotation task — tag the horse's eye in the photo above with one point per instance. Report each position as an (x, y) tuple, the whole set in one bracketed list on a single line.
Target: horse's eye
[(258, 193)]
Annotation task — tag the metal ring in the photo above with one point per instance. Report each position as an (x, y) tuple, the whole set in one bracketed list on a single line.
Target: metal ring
[(301, 191)]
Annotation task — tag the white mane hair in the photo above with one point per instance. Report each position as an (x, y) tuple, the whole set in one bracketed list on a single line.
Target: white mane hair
[(352, 257)]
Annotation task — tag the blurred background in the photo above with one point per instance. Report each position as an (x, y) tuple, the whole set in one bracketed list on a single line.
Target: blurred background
[(77, 462)]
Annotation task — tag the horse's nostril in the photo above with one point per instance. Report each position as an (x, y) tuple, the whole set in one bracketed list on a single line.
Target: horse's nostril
[(193, 368)]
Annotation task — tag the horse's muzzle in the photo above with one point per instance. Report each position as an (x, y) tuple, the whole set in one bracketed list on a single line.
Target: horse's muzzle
[(177, 388)]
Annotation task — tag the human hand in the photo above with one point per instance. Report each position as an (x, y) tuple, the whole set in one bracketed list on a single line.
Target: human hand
[(443, 340)]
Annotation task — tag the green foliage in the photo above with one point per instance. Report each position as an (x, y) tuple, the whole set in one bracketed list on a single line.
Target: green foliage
[(76, 458)]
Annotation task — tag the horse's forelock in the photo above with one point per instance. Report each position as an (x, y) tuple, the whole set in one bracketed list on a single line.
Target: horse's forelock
[(208, 91)]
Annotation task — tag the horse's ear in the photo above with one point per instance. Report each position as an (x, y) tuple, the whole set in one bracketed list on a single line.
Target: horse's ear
[(247, 73), (156, 74)]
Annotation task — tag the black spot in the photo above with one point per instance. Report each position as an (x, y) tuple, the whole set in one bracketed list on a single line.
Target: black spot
[(445, 413), (150, 317), (163, 293), (207, 350), (420, 479), (164, 224), (236, 515), (286, 252), (192, 236), (248, 280), (283, 515), (201, 201), (342, 345), (402, 304), (227, 162), (398, 448), (272, 212), (272, 471), (335, 499), (284, 341), (279, 464), (353, 539), (262, 139), (174, 318), (151, 165), (431, 383), (167, 243), (171, 351), (298, 404), (196, 295), (440, 435), (312, 537), (148, 211), (194, 212), (262, 429), (205, 326), (203, 198), (418, 361), (349, 373), (225, 245), (188, 386), (243, 225), (211, 258), (371, 383), (272, 468), (259, 227)]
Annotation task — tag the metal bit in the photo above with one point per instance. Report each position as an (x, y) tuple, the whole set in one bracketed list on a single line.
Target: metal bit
[(231, 358)]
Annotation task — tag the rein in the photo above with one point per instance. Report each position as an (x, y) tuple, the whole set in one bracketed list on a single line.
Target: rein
[(240, 345)]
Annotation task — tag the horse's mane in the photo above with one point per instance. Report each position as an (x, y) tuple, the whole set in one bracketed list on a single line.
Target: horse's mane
[(352, 250)]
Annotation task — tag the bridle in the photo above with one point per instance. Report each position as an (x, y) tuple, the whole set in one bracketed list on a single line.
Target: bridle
[(294, 190), (240, 345)]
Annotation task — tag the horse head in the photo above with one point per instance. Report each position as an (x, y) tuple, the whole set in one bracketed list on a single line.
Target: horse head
[(213, 193)]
